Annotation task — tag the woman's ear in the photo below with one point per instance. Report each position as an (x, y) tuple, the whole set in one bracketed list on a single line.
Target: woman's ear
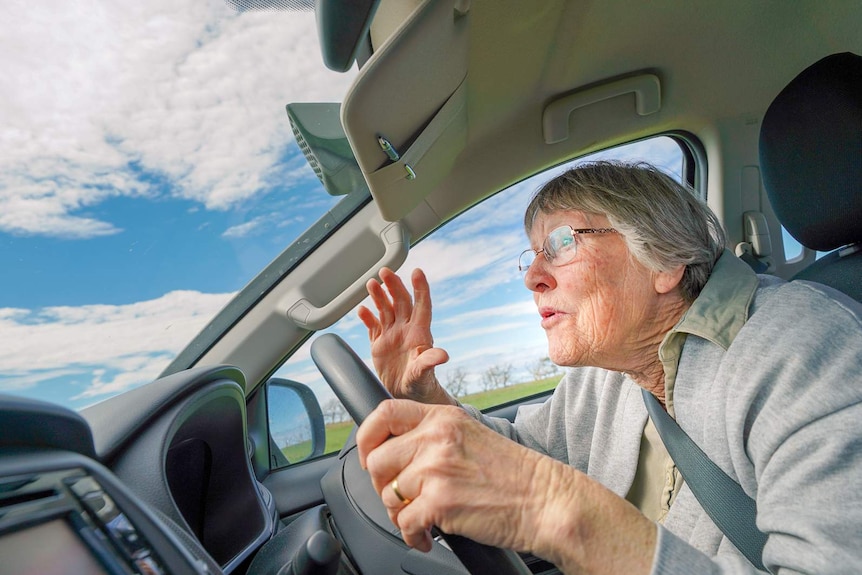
[(665, 282)]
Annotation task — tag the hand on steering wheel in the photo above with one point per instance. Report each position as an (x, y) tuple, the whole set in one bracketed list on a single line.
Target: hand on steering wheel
[(436, 465), (360, 392)]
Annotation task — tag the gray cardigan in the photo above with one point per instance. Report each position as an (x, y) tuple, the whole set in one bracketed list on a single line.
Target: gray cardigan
[(769, 385)]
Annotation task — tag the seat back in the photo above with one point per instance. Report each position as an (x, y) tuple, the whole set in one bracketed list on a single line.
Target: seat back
[(811, 163)]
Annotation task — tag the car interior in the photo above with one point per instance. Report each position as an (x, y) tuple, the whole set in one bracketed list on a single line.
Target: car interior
[(454, 101)]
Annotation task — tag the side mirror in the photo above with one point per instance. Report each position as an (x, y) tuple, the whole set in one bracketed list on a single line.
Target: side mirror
[(296, 427)]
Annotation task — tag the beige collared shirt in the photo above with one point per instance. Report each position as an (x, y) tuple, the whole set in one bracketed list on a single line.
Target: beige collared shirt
[(716, 315)]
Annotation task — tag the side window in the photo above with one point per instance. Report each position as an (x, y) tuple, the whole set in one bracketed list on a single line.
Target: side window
[(483, 314), (792, 248)]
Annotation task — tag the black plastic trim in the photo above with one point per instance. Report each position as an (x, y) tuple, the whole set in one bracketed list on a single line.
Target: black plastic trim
[(144, 404), (31, 423)]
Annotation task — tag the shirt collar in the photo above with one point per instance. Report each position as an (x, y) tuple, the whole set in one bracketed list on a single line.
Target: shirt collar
[(717, 315)]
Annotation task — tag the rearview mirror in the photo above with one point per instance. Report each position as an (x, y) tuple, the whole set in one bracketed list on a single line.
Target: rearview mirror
[(319, 134)]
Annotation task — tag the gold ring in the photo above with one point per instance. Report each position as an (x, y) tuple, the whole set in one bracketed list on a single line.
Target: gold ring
[(394, 486)]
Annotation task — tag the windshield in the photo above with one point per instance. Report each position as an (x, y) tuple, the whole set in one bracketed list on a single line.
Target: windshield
[(147, 172)]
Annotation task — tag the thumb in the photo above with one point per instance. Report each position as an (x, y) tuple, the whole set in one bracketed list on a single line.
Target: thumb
[(430, 357)]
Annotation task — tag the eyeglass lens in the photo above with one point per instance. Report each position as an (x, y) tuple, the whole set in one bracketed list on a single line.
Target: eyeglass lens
[(558, 248)]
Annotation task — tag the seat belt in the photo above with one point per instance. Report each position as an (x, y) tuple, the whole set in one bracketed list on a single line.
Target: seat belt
[(721, 497)]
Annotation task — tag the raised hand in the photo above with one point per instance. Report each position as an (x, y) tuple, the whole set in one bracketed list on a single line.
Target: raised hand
[(402, 346)]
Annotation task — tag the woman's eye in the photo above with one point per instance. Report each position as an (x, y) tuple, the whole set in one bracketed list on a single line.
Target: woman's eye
[(561, 240)]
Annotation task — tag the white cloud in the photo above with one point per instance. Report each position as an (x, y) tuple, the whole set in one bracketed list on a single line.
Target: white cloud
[(521, 308), (100, 98), (134, 341), (33, 378), (243, 229), (485, 331), (460, 271)]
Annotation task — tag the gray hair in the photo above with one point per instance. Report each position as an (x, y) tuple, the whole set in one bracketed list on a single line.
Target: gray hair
[(663, 223)]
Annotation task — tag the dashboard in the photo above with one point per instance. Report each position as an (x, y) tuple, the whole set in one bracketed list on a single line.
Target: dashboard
[(160, 480), (62, 513), (155, 481)]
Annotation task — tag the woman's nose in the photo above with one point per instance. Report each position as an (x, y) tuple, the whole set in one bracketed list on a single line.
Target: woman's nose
[(538, 276)]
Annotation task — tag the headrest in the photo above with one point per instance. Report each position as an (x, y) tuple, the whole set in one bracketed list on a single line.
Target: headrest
[(811, 153)]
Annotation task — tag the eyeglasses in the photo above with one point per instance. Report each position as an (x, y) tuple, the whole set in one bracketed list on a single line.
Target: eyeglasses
[(559, 247)]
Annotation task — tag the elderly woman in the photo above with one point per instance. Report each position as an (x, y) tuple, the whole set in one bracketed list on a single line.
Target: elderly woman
[(635, 290)]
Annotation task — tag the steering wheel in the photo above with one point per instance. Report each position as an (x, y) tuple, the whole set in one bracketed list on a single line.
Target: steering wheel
[(360, 392)]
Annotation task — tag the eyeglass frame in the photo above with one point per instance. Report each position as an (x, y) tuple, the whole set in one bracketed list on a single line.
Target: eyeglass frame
[(575, 232)]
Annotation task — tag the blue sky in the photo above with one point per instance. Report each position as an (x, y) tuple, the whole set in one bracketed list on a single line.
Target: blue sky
[(147, 172)]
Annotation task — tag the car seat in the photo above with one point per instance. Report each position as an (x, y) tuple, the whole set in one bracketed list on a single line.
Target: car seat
[(811, 163)]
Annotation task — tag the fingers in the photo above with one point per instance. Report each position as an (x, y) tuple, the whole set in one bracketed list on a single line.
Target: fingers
[(383, 447), (391, 418), (381, 301), (402, 499), (421, 373), (370, 320), (455, 473), (402, 302), (439, 457), (422, 295), (414, 522), (386, 462), (398, 303), (430, 357)]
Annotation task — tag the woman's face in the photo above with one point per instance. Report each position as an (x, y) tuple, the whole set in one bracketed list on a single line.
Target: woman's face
[(597, 310)]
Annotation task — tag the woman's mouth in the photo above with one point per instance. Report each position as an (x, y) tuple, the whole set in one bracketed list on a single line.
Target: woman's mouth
[(550, 316)]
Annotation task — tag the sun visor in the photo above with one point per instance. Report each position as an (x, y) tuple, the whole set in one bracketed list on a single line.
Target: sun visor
[(406, 114)]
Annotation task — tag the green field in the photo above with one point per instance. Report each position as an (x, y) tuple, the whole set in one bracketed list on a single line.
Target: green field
[(504, 395), (336, 433)]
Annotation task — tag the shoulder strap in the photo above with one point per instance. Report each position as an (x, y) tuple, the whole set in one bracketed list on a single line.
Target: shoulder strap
[(721, 497)]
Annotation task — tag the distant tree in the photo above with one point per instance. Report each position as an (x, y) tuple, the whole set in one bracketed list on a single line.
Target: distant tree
[(543, 368), (496, 376), (456, 382), (333, 411)]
